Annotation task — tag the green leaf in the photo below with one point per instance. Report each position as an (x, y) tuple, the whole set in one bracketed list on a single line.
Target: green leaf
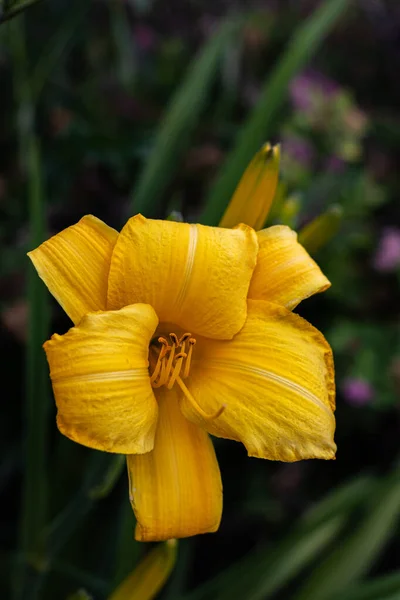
[(81, 578), (174, 134), (302, 46), (342, 499), (10, 8), (80, 595), (127, 550), (101, 476), (380, 588), (354, 555), (35, 484), (262, 573), (57, 45), (321, 230)]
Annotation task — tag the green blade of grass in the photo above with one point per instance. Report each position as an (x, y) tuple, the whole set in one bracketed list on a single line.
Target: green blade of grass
[(354, 555), (102, 474), (262, 573), (82, 578), (182, 115), (380, 588), (79, 595), (319, 232), (343, 498), (57, 46), (13, 9), (34, 493), (257, 129), (127, 550)]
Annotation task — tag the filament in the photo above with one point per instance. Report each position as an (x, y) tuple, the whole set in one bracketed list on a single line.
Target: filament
[(195, 406)]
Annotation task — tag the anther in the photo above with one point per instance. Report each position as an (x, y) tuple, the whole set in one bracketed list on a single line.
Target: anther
[(183, 338), (192, 342), (174, 339)]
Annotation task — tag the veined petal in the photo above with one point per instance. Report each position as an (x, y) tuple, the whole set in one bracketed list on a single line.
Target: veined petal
[(176, 489), (74, 265), (101, 383), (194, 276), (253, 197), (285, 273), (276, 381)]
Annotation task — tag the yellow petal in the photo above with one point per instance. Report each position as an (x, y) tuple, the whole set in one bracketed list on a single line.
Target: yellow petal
[(149, 577), (176, 489), (285, 273), (194, 276), (276, 381), (253, 197), (101, 382), (74, 265)]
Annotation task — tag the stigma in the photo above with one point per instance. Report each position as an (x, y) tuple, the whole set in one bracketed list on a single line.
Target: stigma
[(174, 360)]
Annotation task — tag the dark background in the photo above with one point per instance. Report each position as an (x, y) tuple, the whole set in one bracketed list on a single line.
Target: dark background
[(89, 93)]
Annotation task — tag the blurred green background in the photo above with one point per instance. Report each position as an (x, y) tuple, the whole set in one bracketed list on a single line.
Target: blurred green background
[(113, 107)]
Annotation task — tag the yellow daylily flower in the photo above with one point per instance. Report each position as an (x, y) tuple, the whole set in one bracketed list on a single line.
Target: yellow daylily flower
[(182, 331)]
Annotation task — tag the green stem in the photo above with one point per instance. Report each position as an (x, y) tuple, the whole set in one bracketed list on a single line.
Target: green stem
[(10, 12), (102, 474), (34, 494), (127, 551)]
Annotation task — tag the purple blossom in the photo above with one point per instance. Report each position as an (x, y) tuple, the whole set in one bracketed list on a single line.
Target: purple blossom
[(357, 391), (145, 37), (299, 150), (387, 255), (307, 88), (334, 164)]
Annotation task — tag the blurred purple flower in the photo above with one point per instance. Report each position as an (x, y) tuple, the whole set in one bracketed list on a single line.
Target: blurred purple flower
[(145, 37), (307, 87), (387, 256), (357, 391), (298, 149), (356, 121), (334, 164)]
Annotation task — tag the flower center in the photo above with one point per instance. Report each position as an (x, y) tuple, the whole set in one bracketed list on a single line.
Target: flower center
[(173, 359)]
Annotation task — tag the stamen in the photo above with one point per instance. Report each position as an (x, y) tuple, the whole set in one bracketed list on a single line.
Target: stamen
[(156, 370), (169, 363), (160, 360), (192, 342), (177, 369), (172, 360), (194, 404)]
